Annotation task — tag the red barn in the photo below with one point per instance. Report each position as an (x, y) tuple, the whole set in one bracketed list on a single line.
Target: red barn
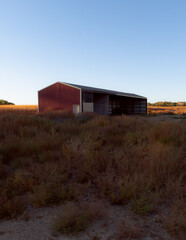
[(76, 98)]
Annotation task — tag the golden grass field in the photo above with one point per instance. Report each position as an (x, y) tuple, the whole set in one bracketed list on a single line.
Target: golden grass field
[(27, 108), (151, 110), (167, 110)]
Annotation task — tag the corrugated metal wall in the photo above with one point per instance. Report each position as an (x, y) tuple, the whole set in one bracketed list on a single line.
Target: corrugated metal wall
[(58, 97), (95, 102), (101, 103), (140, 106), (68, 96)]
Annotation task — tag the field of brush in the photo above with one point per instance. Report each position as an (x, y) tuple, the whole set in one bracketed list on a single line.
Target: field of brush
[(48, 159), (151, 109), (167, 110), (18, 108)]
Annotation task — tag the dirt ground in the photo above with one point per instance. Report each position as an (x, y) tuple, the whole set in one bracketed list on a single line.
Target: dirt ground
[(35, 224)]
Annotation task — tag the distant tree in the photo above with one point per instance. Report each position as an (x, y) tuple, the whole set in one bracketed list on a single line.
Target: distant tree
[(167, 104), (181, 103), (4, 102)]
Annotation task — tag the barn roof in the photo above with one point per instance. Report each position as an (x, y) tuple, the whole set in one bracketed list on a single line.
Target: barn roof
[(100, 90)]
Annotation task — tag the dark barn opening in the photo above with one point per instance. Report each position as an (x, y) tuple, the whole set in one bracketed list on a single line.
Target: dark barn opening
[(126, 105)]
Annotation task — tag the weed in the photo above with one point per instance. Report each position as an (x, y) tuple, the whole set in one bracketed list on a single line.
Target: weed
[(127, 231), (26, 217), (50, 193), (12, 208), (75, 218), (142, 205), (174, 221), (94, 236)]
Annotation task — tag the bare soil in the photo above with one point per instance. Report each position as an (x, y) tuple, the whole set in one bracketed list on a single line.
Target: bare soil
[(35, 224)]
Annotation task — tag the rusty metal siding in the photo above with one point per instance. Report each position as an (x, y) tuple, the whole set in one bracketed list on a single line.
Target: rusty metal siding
[(48, 98), (58, 97), (68, 96)]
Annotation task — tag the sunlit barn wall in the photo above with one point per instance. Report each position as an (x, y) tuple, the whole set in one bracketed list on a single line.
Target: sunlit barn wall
[(58, 97)]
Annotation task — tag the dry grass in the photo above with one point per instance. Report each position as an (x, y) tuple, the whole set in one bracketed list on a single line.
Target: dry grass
[(76, 218), (127, 231), (34, 109), (167, 110), (13, 207), (121, 159), (18, 108), (174, 219)]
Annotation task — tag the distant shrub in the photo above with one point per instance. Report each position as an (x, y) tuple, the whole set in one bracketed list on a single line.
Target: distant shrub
[(4, 102), (167, 104)]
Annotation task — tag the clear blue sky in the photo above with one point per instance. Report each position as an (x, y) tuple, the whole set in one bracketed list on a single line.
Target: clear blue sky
[(134, 46)]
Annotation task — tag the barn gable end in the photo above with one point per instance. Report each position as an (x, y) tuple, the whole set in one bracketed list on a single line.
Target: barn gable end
[(58, 97)]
